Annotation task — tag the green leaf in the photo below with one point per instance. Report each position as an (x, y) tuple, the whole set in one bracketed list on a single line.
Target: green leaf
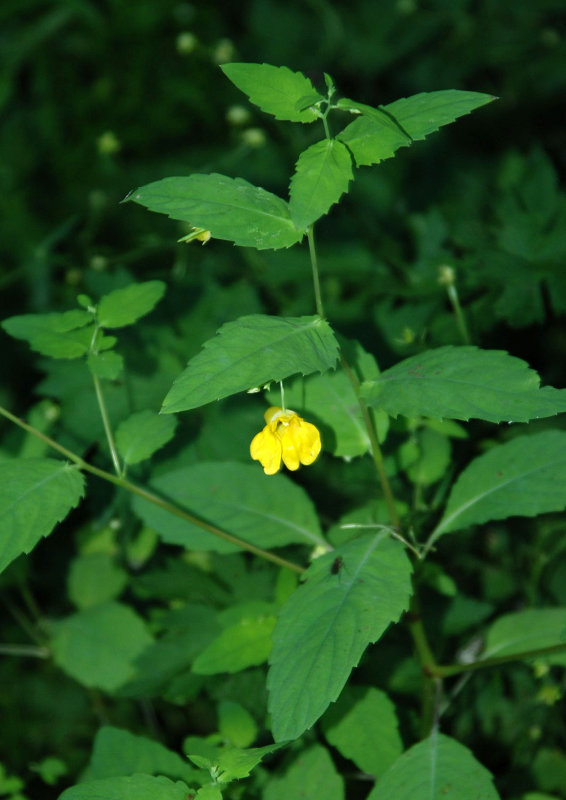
[(235, 764), (311, 775), (379, 132), (94, 579), (521, 478), (119, 752), (327, 624), (236, 724), (98, 646), (124, 306), (253, 351), (35, 494), (106, 365), (265, 510), (464, 383), (208, 792), (140, 787), (308, 100), (433, 768), (66, 335), (363, 727), (142, 434), (330, 400), (321, 177), (245, 644), (230, 208), (276, 90), (531, 629)]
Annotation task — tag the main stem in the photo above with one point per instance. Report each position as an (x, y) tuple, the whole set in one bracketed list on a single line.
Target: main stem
[(119, 480), (315, 277), (107, 426)]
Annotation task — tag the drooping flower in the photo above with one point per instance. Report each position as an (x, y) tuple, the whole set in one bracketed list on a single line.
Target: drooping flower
[(286, 437)]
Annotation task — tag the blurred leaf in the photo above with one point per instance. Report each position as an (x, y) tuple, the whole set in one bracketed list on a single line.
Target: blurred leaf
[(268, 511), (433, 458), (208, 792), (140, 787), (521, 478), (35, 494), (433, 768), (66, 335), (230, 208), (312, 774), (105, 365), (321, 177), (142, 434), (124, 306), (95, 579), (245, 644), (236, 724), (531, 629), (464, 383), (98, 646), (327, 624), (362, 725), (50, 770), (276, 90), (119, 752), (549, 771), (250, 352)]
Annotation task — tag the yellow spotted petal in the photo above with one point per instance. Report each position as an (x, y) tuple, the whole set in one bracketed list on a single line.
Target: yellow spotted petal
[(266, 448)]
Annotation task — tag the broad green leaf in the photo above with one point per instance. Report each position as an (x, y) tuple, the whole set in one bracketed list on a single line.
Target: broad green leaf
[(119, 752), (250, 352), (133, 787), (321, 177), (433, 768), (124, 306), (464, 383), (328, 622), (94, 579), (245, 644), (208, 792), (98, 646), (311, 775), (265, 510), (521, 478), (66, 335), (531, 629), (142, 434), (236, 724), (105, 365), (433, 457), (230, 208), (235, 763), (35, 494), (379, 132), (362, 725), (276, 90), (330, 400)]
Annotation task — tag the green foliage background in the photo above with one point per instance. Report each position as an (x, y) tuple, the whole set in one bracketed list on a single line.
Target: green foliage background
[(99, 98)]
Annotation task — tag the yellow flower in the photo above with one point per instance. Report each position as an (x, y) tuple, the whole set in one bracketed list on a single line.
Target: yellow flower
[(286, 437)]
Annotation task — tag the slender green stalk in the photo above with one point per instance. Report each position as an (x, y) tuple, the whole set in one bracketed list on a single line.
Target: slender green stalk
[(460, 318), (107, 426), (152, 498), (449, 670), (315, 277), (24, 650), (283, 409)]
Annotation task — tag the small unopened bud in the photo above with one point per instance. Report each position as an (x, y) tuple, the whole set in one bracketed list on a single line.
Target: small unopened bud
[(108, 144), (254, 137), (186, 43), (446, 275), (238, 115)]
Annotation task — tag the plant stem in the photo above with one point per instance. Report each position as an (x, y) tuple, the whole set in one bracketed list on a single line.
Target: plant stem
[(460, 318), (24, 650), (119, 480), (107, 426), (450, 670), (431, 679), (315, 277)]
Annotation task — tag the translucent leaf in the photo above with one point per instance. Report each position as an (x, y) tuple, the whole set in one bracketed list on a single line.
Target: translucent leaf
[(521, 478), (311, 775), (275, 90), (124, 306), (379, 132), (230, 208), (142, 434), (94, 579), (140, 787), (531, 629), (363, 727), (35, 494), (119, 752), (265, 510), (327, 624), (245, 644), (253, 351), (433, 768), (321, 177), (464, 383), (98, 646), (66, 335)]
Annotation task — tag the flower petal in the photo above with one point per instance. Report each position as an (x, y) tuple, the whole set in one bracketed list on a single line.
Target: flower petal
[(265, 447), (310, 444)]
